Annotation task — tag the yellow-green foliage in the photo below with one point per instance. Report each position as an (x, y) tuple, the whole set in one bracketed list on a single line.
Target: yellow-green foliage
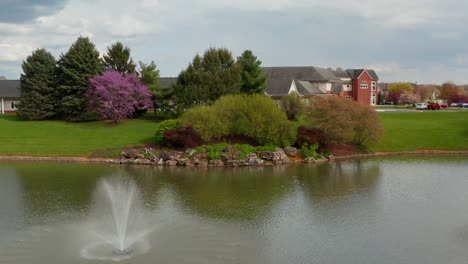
[(255, 116)]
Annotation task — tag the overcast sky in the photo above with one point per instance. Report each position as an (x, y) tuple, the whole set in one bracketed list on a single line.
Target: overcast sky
[(422, 41)]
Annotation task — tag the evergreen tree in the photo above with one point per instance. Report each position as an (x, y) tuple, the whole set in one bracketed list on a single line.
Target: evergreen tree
[(253, 79), (75, 69), (37, 86), (207, 78), (118, 58)]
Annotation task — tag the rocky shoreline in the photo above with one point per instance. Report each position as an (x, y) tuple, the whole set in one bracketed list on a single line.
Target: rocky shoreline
[(228, 158)]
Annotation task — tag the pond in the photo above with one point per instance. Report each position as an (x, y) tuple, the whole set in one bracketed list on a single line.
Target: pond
[(383, 210)]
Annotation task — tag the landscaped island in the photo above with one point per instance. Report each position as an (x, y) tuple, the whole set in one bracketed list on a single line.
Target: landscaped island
[(402, 132)]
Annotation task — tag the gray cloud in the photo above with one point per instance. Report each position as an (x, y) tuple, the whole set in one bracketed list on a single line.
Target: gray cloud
[(19, 11)]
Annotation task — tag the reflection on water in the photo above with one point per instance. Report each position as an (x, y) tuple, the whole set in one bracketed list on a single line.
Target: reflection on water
[(388, 210)]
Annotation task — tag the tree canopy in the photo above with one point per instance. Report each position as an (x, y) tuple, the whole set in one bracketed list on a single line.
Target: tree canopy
[(400, 87), (37, 87), (75, 69), (253, 79), (448, 90), (118, 58), (207, 78), (116, 96)]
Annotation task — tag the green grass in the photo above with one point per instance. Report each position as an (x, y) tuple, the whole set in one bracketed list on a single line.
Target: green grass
[(424, 130), (58, 138)]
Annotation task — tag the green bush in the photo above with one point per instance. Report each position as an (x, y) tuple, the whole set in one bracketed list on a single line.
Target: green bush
[(163, 127), (254, 116), (309, 151)]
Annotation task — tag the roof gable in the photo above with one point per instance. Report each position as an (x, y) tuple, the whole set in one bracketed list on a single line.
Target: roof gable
[(300, 73)]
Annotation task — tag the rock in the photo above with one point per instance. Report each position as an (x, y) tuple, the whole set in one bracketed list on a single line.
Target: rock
[(160, 162), (226, 156), (290, 151), (309, 160), (182, 162), (164, 155), (129, 154), (153, 158), (149, 151), (140, 156), (276, 156), (233, 163), (252, 160), (190, 151), (170, 162), (215, 163)]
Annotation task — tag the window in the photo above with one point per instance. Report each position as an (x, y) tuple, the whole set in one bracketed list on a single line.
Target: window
[(373, 99), (349, 97), (13, 105), (373, 86), (364, 86)]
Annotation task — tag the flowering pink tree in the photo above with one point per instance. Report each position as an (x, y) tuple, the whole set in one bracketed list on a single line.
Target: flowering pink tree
[(408, 98), (117, 97), (393, 97), (458, 99)]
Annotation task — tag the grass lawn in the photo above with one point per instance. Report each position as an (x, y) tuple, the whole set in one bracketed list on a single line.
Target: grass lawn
[(58, 138), (424, 130)]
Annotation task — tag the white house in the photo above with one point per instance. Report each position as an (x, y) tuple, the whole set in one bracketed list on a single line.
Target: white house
[(9, 96)]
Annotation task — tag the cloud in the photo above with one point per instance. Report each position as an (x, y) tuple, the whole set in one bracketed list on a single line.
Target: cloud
[(25, 10)]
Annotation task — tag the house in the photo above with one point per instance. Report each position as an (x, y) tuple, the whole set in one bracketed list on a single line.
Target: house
[(360, 85), (9, 95)]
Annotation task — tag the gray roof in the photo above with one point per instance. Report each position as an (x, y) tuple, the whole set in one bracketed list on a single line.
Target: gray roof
[(9, 88), (308, 88), (300, 73), (354, 73), (2, 78), (167, 81), (278, 86)]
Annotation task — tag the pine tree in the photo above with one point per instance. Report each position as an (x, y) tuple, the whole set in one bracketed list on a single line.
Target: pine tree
[(118, 58), (207, 78), (37, 86), (75, 69), (253, 79)]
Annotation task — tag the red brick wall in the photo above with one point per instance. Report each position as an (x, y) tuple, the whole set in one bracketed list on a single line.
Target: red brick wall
[(364, 95)]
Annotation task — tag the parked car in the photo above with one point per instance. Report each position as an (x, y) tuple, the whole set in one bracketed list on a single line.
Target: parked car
[(433, 106), (443, 106), (454, 105), (421, 106), (464, 105)]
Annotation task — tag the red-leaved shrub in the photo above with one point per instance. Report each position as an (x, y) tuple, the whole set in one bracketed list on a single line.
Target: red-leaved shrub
[(311, 135), (183, 137)]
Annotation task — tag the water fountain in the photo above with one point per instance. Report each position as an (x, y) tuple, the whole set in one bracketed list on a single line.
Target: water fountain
[(118, 223)]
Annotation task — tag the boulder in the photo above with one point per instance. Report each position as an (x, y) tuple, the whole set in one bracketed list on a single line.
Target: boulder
[(252, 160), (164, 155), (190, 152), (290, 151), (140, 156), (216, 163), (182, 162), (170, 162), (309, 160), (129, 154), (234, 163), (277, 156)]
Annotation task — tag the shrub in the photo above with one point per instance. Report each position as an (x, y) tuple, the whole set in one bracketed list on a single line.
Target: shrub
[(345, 121), (182, 137), (311, 135), (164, 126), (254, 116), (292, 105), (309, 150)]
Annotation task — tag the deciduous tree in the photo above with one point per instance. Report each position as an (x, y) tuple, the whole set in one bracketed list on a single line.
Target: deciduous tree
[(345, 120), (116, 96), (408, 98), (292, 105), (448, 90), (37, 100), (400, 87)]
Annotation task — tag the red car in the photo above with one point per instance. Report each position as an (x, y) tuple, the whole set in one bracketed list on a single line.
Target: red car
[(443, 106), (433, 106)]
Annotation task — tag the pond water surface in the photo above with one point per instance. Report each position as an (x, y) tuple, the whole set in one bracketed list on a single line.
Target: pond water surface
[(387, 210)]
